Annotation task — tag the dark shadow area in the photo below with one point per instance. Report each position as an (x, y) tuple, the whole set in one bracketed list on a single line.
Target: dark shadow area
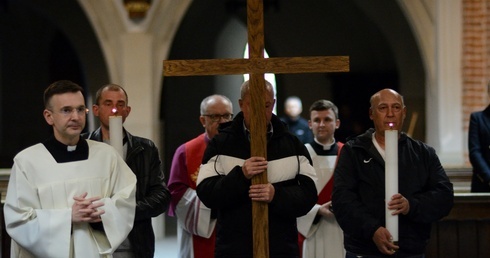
[(41, 43)]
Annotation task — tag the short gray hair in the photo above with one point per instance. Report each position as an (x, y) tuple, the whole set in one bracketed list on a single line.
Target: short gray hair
[(205, 102)]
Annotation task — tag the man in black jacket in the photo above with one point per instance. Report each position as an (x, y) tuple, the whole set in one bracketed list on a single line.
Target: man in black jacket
[(425, 193), (224, 183), (479, 152), (141, 155)]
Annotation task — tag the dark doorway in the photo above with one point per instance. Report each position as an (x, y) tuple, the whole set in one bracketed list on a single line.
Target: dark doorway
[(297, 28), (40, 43)]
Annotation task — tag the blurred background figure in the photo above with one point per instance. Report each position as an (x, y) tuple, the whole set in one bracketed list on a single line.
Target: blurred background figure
[(479, 151), (297, 125)]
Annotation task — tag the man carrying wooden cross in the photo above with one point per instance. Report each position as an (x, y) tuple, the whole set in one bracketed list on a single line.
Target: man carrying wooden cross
[(224, 183)]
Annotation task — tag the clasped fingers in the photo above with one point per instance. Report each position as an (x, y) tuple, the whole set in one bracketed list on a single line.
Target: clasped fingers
[(87, 209)]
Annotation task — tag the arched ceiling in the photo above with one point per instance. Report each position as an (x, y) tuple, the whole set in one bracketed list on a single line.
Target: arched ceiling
[(374, 34)]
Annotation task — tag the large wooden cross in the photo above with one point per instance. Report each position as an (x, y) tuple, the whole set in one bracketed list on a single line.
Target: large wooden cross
[(256, 65)]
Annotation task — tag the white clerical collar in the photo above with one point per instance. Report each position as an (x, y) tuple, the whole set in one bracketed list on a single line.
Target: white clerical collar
[(378, 147), (325, 146), (71, 148)]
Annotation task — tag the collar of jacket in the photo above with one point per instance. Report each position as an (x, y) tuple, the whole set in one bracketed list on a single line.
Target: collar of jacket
[(486, 111), (236, 125), (365, 141)]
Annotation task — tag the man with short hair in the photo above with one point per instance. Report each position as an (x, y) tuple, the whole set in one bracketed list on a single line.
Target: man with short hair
[(320, 235), (67, 196), (142, 156), (196, 234)]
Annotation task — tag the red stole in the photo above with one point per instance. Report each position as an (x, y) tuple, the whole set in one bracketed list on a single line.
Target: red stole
[(325, 195), (194, 151)]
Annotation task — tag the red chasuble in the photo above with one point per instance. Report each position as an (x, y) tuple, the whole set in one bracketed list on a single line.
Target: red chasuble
[(194, 150)]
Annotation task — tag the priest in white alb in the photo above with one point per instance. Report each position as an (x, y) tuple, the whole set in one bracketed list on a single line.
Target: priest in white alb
[(68, 197), (319, 234)]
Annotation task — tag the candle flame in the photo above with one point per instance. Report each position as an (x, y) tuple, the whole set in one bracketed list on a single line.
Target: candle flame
[(114, 110), (391, 125)]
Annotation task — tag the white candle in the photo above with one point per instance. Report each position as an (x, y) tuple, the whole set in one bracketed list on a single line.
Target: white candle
[(391, 179), (116, 133)]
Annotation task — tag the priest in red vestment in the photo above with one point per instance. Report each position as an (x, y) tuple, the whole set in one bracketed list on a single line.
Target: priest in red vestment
[(195, 224)]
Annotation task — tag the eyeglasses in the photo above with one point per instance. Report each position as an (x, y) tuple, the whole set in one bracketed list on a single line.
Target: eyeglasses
[(67, 111), (218, 117)]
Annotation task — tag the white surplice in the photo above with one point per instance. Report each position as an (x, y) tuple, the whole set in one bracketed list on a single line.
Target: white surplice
[(325, 238), (193, 218), (40, 196)]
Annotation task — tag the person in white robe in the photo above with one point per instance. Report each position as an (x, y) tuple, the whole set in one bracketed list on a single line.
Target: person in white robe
[(320, 235), (196, 233), (68, 197)]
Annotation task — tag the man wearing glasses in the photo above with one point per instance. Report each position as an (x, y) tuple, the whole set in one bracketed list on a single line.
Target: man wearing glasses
[(141, 155), (195, 225), (68, 197)]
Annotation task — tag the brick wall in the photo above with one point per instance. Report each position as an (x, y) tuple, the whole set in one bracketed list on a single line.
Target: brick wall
[(476, 62)]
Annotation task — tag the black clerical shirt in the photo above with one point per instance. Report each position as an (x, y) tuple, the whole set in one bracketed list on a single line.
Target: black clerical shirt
[(61, 152)]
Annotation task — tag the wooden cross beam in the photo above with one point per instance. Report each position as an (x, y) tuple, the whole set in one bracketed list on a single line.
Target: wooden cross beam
[(256, 65)]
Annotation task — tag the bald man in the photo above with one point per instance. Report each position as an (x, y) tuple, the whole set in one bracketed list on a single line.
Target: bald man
[(425, 193)]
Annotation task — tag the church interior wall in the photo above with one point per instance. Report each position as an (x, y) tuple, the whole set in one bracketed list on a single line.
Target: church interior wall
[(39, 45), (230, 43), (388, 47), (181, 121), (383, 50), (475, 62), (367, 56), (407, 53)]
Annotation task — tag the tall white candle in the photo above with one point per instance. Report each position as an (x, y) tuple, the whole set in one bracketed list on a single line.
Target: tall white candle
[(391, 179), (116, 133)]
